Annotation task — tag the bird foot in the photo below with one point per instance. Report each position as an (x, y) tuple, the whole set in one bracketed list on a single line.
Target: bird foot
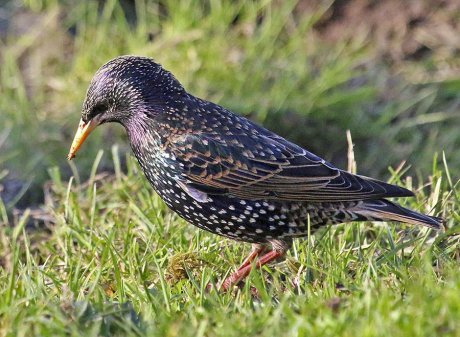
[(246, 268), (257, 250)]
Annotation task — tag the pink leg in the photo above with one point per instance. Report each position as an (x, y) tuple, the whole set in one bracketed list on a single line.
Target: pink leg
[(245, 269), (257, 250)]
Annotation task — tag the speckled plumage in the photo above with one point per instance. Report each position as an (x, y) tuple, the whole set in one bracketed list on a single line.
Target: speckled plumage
[(225, 174)]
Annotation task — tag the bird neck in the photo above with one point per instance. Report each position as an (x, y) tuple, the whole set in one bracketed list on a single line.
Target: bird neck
[(142, 133)]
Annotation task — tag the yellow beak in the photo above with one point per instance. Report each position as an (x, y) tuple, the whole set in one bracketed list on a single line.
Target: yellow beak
[(84, 129)]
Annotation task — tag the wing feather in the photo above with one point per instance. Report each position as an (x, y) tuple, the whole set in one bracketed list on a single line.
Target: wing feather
[(258, 166)]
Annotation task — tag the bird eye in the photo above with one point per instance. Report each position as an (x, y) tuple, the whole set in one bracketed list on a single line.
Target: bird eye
[(99, 108)]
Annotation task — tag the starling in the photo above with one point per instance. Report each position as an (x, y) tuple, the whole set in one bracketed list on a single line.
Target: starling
[(226, 174)]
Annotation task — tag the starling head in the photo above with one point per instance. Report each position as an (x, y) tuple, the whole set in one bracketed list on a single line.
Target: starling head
[(126, 86), (123, 89)]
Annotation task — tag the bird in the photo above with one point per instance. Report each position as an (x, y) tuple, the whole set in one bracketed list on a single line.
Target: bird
[(226, 174)]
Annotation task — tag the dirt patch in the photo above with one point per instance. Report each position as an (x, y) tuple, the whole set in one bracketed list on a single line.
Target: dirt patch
[(400, 29)]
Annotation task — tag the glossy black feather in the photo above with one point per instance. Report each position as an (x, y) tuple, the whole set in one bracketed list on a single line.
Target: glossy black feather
[(265, 165), (225, 174)]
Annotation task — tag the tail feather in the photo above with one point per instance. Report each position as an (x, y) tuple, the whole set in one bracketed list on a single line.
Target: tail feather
[(385, 210)]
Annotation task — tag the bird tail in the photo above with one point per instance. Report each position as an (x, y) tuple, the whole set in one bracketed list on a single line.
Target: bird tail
[(384, 210)]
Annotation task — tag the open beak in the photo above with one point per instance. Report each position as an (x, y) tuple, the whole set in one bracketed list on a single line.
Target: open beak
[(84, 129)]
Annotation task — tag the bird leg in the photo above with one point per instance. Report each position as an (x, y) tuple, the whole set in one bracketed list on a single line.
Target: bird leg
[(246, 267), (257, 250)]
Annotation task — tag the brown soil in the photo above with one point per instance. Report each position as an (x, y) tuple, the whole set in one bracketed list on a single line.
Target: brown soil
[(400, 30)]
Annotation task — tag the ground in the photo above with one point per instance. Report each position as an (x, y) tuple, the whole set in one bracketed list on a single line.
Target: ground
[(87, 248)]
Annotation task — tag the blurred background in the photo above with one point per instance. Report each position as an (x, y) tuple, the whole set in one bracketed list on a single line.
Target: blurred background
[(388, 71)]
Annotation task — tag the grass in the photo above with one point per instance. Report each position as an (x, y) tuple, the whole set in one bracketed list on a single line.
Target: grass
[(108, 258), (117, 262), (262, 59)]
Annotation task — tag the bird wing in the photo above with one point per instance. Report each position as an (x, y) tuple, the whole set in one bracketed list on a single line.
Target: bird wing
[(260, 166)]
